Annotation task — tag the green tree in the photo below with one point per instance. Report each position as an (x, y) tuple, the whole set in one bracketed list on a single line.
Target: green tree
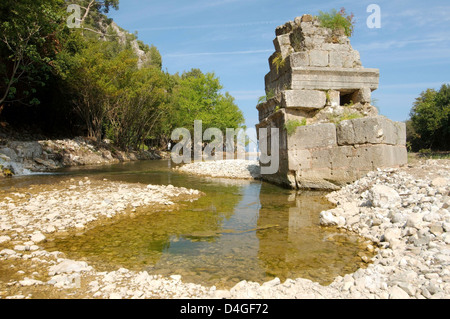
[(30, 41), (93, 83), (198, 97), (430, 120), (138, 108)]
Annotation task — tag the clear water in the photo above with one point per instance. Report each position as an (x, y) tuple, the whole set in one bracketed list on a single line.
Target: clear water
[(240, 230)]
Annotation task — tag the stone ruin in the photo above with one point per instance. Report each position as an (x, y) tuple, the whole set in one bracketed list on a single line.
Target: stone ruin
[(318, 95)]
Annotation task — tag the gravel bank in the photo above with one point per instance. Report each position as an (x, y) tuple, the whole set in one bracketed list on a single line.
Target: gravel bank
[(404, 212), (29, 217), (237, 169)]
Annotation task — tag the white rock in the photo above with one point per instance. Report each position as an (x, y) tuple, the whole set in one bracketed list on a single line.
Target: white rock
[(50, 229), (20, 247), (4, 239), (69, 266), (384, 197), (272, 283), (396, 292), (414, 220), (176, 277), (327, 218), (29, 282), (439, 182), (8, 252), (392, 234), (222, 294), (38, 237)]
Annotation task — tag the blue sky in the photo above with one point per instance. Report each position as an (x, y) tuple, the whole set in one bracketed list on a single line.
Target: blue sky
[(233, 39)]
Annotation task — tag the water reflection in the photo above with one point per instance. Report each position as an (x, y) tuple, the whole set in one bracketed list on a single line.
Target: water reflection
[(239, 230)]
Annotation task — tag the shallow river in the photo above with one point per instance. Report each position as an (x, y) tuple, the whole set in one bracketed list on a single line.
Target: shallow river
[(240, 230)]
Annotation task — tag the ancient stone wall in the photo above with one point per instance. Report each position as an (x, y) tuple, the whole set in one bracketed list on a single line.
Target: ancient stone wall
[(318, 85)]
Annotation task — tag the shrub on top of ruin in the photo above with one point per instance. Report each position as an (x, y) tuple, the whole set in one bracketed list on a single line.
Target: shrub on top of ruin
[(336, 20)]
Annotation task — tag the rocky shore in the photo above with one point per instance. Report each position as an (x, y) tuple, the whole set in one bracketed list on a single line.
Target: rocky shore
[(29, 217), (25, 157), (404, 212)]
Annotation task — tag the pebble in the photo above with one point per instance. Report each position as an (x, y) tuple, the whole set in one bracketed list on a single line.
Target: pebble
[(4, 239)]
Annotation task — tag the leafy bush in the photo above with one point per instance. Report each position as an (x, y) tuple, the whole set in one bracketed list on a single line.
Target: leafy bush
[(337, 20)]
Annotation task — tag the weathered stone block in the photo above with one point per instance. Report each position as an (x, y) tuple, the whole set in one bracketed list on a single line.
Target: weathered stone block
[(298, 59), (352, 60), (299, 159), (331, 158), (378, 156), (336, 47), (341, 164), (337, 59), (362, 95), (318, 58), (338, 79), (333, 98), (401, 133), (313, 136), (370, 130), (267, 108), (278, 81), (282, 44), (280, 41), (310, 99)]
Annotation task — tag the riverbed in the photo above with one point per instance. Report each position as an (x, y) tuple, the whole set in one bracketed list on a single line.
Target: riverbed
[(213, 235)]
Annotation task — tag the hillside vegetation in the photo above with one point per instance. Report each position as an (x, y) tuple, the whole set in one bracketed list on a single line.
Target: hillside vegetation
[(97, 80)]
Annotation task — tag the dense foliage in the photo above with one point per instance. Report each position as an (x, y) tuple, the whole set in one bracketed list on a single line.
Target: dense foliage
[(97, 79), (31, 33), (429, 126)]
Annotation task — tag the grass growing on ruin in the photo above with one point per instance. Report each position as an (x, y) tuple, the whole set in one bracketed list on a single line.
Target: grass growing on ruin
[(270, 94), (346, 115), (337, 20), (291, 125), (278, 61)]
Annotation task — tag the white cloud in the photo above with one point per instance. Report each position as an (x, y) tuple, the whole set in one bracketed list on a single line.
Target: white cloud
[(179, 55), (209, 26), (397, 44)]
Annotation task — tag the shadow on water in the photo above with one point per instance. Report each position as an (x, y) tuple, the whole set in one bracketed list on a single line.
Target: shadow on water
[(241, 230)]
